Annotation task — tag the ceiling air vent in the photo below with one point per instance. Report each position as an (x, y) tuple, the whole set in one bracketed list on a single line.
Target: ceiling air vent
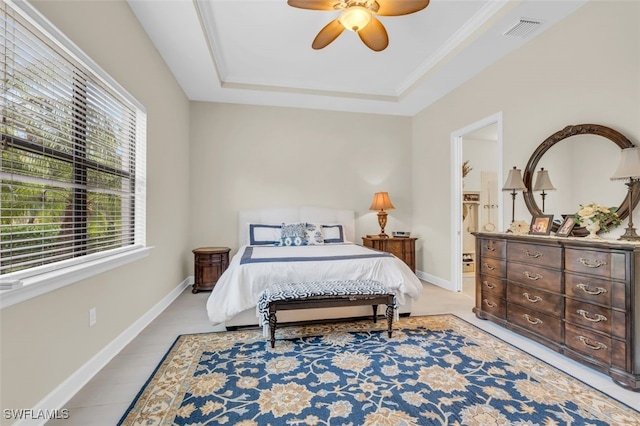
[(522, 28)]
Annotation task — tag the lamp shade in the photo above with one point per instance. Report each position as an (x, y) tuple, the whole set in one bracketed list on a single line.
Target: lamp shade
[(381, 201), (629, 167), (514, 181), (543, 183)]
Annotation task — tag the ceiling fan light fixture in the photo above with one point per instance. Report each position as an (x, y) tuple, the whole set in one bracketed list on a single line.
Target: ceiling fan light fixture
[(355, 18)]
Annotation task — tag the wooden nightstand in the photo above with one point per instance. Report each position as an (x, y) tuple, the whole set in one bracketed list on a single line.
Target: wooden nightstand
[(402, 248), (210, 263)]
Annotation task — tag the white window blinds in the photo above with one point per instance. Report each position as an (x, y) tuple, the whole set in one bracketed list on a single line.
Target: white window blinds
[(72, 165)]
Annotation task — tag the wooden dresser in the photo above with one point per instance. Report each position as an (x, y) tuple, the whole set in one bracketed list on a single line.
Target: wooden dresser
[(402, 248), (578, 296)]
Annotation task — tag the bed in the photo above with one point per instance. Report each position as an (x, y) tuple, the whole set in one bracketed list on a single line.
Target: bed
[(331, 256)]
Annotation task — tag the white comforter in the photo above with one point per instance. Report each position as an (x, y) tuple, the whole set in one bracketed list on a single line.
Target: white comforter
[(239, 287)]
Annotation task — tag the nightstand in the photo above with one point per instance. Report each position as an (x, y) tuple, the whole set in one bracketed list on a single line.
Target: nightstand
[(209, 264), (402, 248)]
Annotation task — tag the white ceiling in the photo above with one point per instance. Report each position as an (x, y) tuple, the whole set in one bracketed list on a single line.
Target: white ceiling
[(259, 51)]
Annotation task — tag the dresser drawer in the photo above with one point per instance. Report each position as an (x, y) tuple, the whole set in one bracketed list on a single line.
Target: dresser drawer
[(589, 316), (493, 248), (599, 263), (588, 343), (493, 285), (535, 299), (535, 254), (595, 290), (543, 325), (493, 304), (535, 276), (494, 267)]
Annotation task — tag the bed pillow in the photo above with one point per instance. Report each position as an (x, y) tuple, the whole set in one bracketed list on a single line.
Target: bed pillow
[(263, 235), (333, 234), (314, 235), (293, 234)]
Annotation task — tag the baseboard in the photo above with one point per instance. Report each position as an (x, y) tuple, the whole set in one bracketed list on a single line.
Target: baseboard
[(436, 280), (67, 389)]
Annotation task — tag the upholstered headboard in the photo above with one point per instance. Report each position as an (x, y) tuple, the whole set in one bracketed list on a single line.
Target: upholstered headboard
[(277, 216)]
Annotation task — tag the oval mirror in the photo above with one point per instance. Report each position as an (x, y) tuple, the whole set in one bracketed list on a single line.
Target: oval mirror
[(580, 169)]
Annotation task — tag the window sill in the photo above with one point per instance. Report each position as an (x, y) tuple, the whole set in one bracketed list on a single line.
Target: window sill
[(50, 281)]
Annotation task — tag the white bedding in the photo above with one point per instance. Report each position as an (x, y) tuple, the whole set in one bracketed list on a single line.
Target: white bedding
[(239, 287)]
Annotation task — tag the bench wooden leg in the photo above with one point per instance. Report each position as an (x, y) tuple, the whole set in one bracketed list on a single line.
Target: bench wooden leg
[(272, 326), (375, 313), (389, 319)]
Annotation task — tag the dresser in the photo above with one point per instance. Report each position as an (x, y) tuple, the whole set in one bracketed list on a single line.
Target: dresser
[(578, 296), (209, 264), (403, 248)]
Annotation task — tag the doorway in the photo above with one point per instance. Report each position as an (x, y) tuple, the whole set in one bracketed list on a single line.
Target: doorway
[(476, 197)]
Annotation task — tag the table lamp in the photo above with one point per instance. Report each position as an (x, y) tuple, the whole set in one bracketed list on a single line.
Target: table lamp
[(514, 183), (543, 183), (381, 202), (629, 170)]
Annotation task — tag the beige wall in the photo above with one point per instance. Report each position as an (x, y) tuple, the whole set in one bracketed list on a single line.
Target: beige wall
[(46, 339), (585, 69), (251, 157)]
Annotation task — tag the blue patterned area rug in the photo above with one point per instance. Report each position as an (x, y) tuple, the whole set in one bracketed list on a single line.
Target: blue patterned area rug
[(435, 370)]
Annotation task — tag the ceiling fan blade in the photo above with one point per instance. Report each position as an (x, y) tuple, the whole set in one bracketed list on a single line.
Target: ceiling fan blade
[(400, 7), (330, 32), (374, 35), (313, 4)]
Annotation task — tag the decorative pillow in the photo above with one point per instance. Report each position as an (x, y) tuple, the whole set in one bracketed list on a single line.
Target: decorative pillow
[(333, 234), (262, 235), (314, 235), (293, 234)]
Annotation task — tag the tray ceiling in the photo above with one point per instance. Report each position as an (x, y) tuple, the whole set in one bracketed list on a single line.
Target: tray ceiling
[(259, 51)]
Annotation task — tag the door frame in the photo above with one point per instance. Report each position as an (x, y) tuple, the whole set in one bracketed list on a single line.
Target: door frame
[(456, 191)]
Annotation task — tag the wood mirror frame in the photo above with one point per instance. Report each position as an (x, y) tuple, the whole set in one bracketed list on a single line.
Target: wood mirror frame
[(573, 130)]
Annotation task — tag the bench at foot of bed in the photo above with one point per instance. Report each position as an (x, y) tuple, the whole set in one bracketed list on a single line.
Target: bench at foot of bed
[(323, 294)]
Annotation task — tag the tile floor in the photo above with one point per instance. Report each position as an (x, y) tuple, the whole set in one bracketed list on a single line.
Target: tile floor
[(107, 396)]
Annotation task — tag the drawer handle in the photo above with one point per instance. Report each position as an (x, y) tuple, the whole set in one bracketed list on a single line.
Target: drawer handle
[(585, 288), (535, 277), (598, 346), (598, 318), (535, 254), (490, 248), (534, 299), (489, 267), (535, 321), (592, 263), (489, 303), (488, 284)]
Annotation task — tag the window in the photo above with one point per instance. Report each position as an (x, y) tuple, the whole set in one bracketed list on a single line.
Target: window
[(72, 167)]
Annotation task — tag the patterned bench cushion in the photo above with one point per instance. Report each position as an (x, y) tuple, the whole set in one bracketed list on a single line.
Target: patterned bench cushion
[(317, 289)]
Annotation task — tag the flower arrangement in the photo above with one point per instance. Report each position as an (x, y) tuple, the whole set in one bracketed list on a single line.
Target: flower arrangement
[(519, 227), (593, 212), (466, 168)]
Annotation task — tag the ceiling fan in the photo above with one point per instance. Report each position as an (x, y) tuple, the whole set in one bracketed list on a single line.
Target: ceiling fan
[(357, 16)]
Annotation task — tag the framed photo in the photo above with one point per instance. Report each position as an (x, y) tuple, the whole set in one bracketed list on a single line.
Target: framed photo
[(566, 227), (541, 224)]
